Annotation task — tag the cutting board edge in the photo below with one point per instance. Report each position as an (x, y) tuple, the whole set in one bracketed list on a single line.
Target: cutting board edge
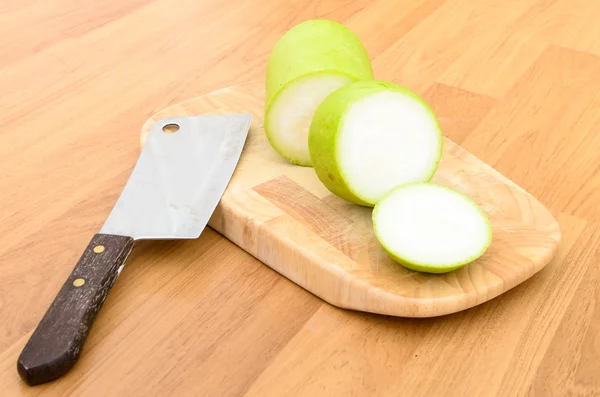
[(228, 212)]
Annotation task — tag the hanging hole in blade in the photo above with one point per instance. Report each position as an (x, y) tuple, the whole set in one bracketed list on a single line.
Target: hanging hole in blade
[(170, 128)]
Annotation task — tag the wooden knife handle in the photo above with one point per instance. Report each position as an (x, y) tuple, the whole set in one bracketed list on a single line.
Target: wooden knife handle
[(56, 343)]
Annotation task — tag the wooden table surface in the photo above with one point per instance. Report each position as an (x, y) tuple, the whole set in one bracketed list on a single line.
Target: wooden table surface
[(204, 318)]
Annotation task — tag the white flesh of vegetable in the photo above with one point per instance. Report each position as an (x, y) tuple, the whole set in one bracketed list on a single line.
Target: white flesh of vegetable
[(432, 227), (293, 109), (387, 139)]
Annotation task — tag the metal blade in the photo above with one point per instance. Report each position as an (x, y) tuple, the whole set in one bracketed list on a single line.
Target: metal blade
[(179, 177)]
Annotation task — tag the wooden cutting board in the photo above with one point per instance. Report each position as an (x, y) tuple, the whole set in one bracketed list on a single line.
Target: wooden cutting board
[(282, 214)]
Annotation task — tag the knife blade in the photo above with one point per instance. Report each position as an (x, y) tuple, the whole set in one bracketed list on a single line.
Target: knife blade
[(174, 187)]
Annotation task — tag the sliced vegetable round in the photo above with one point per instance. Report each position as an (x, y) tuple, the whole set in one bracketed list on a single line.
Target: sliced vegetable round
[(431, 228), (310, 61), (368, 137)]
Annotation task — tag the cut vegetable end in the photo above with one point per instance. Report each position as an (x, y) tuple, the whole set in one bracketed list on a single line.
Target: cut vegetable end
[(431, 228), (388, 139), (288, 119)]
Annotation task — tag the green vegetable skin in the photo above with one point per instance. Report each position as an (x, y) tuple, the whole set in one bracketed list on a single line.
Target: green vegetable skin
[(309, 49), (328, 122), (316, 74)]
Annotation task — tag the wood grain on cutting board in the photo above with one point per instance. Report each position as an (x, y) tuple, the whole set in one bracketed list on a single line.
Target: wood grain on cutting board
[(514, 82), (283, 215)]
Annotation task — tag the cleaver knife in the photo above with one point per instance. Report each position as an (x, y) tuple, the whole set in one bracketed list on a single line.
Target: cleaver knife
[(175, 186)]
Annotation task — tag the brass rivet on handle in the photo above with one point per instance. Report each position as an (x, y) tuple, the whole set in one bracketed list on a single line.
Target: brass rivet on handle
[(78, 282), (98, 249)]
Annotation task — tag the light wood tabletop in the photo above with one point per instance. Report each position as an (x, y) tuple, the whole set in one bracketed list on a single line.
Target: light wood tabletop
[(514, 82)]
